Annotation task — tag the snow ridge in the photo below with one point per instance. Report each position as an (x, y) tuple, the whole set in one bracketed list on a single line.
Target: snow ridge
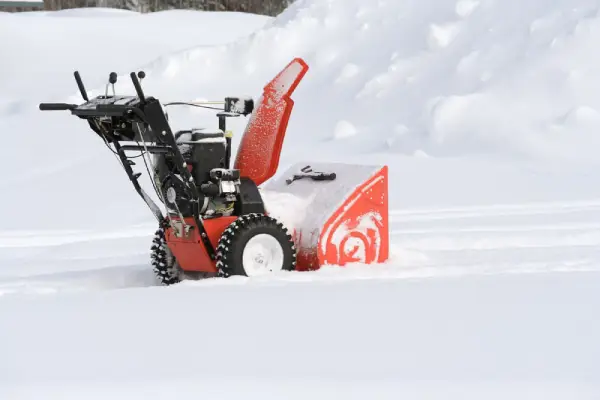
[(440, 77)]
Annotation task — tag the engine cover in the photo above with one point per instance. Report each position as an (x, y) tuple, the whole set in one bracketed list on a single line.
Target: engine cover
[(205, 155), (203, 150)]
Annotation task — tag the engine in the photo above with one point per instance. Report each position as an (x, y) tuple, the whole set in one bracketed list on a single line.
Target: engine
[(205, 154)]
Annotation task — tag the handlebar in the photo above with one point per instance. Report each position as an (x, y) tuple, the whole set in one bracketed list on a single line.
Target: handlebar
[(57, 106)]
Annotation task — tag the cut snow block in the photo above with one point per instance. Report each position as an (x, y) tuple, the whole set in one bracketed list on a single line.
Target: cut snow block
[(334, 222)]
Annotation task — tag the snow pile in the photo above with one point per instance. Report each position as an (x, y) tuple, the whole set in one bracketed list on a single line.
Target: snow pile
[(46, 47), (439, 77)]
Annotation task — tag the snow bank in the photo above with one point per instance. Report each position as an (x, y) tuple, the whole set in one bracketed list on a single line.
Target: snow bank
[(436, 77), (443, 77), (41, 50)]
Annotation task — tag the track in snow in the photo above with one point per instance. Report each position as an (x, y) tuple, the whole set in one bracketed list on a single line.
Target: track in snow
[(57, 261), (457, 241), (505, 238)]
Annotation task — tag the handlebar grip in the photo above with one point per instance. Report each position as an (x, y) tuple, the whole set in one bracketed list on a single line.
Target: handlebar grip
[(56, 106)]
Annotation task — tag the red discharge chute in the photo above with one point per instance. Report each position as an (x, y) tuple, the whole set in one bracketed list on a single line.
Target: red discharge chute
[(260, 147)]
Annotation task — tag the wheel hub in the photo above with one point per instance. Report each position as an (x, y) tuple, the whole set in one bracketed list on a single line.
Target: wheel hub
[(262, 254)]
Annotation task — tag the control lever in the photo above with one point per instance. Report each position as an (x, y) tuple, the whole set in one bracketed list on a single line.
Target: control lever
[(112, 79), (138, 87), (80, 86), (308, 173)]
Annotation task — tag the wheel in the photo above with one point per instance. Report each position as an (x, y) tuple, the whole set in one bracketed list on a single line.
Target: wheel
[(254, 245), (165, 265)]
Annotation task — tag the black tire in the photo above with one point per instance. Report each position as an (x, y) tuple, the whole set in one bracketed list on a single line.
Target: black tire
[(236, 237), (165, 265)]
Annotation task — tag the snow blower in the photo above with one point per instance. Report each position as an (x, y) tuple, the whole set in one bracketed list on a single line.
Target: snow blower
[(218, 220)]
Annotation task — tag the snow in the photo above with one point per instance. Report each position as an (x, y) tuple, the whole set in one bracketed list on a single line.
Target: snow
[(344, 129), (96, 42), (487, 113), (416, 338), (291, 209)]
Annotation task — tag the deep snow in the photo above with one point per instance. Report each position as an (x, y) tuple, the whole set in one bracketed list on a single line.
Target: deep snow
[(487, 114)]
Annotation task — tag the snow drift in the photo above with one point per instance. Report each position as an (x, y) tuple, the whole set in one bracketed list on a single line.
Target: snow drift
[(440, 77)]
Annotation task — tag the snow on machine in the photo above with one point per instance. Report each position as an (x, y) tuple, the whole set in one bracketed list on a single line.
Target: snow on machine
[(218, 220)]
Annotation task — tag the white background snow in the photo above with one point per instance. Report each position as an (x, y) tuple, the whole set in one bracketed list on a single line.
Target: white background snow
[(488, 114)]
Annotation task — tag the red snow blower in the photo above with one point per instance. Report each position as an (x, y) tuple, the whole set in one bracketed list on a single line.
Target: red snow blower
[(218, 220)]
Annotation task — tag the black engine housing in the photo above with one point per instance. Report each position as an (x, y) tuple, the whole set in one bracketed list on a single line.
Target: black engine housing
[(203, 150), (222, 190)]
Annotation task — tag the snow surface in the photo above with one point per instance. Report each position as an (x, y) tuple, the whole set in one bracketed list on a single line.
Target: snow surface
[(487, 113)]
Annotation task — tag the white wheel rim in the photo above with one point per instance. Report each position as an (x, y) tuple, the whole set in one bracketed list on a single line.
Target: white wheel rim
[(263, 254)]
